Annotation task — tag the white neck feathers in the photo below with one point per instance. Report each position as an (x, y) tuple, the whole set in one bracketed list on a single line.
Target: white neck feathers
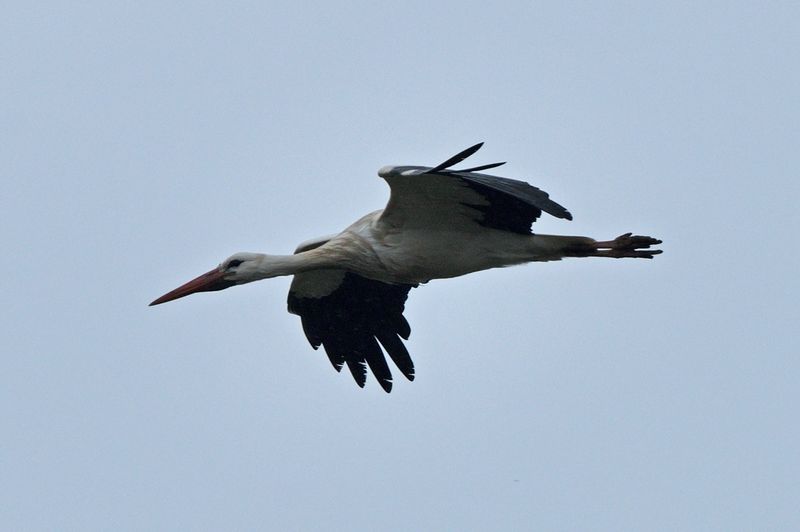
[(279, 265)]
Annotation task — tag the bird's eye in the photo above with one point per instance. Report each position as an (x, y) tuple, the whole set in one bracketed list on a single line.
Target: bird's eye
[(234, 263)]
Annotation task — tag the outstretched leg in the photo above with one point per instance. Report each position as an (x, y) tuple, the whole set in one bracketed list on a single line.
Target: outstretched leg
[(627, 245), (555, 247)]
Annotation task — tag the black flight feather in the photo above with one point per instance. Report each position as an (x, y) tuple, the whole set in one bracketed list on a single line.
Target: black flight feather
[(457, 158)]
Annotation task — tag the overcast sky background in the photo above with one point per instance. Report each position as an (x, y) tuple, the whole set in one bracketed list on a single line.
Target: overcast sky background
[(142, 142)]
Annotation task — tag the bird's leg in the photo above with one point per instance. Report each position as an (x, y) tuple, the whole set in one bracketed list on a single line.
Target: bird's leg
[(627, 245), (556, 247)]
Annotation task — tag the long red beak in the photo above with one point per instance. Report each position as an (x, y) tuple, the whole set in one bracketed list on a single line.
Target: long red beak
[(208, 282)]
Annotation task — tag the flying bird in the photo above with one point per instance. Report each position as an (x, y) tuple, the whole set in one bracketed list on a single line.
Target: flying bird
[(350, 289)]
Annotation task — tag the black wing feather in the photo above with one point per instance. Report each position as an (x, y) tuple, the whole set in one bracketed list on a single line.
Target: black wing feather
[(525, 192), (502, 203), (377, 362), (481, 167), (397, 350), (351, 320), (512, 205), (457, 158), (337, 358), (358, 369)]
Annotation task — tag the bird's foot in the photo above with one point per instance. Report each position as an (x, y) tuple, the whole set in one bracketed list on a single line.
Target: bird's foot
[(628, 245)]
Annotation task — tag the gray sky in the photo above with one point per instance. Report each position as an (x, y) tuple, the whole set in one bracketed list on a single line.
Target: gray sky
[(140, 144)]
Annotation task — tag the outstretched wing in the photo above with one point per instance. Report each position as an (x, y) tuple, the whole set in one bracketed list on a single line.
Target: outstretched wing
[(352, 317), (427, 197)]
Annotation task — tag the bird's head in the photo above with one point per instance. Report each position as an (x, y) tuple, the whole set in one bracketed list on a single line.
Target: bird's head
[(239, 268)]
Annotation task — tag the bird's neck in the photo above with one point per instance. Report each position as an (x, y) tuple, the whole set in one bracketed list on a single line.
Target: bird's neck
[(278, 265)]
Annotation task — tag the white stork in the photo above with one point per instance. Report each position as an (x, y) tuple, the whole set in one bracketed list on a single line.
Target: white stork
[(350, 289)]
